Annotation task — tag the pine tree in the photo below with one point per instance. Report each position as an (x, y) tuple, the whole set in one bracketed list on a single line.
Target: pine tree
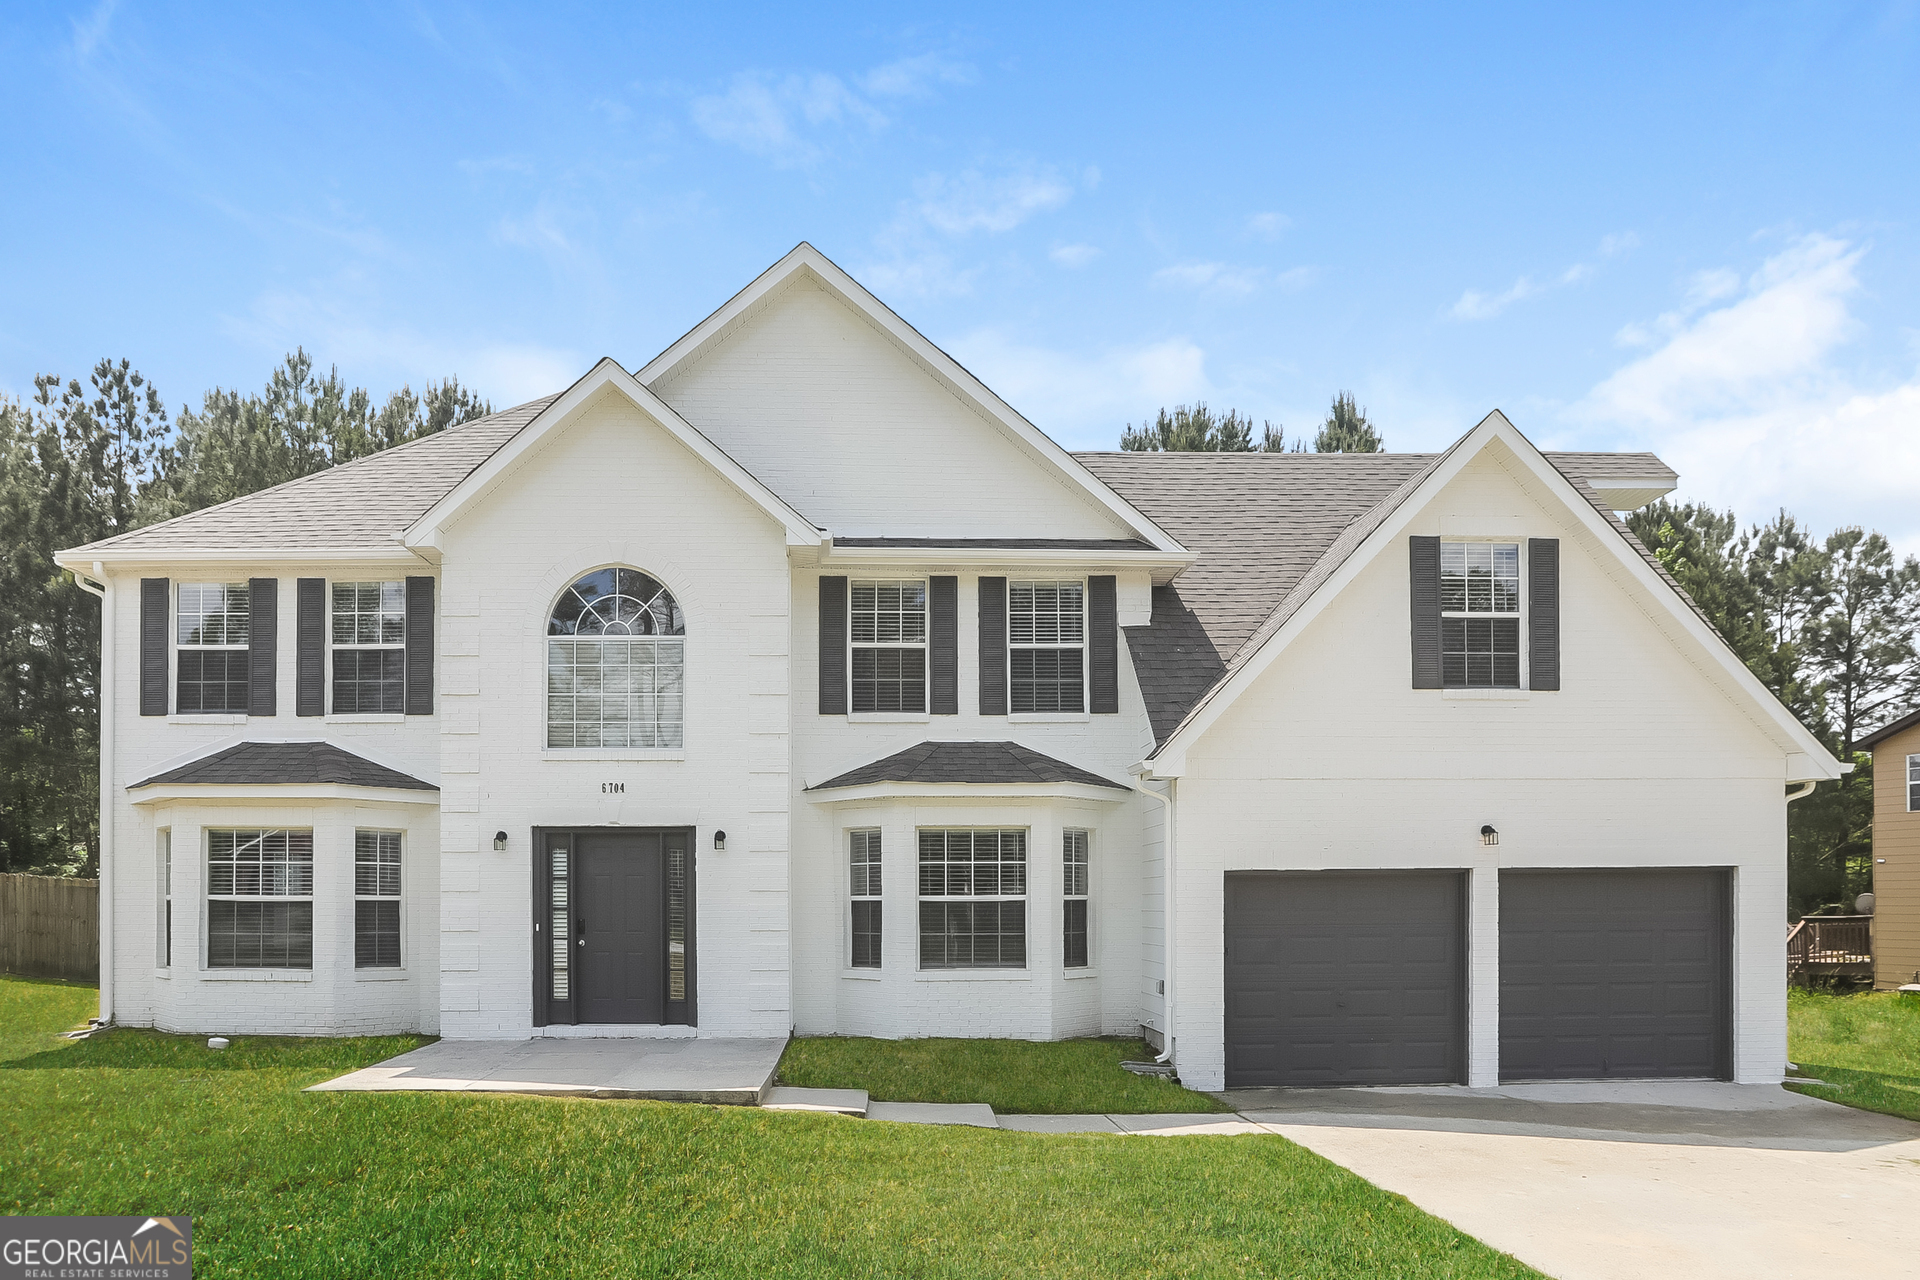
[(1346, 429)]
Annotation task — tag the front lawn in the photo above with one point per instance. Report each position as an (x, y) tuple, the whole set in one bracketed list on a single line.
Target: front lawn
[(1014, 1077), (289, 1184), (1866, 1048)]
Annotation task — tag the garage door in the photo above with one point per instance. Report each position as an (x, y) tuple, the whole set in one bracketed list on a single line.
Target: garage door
[(1345, 978), (1614, 974)]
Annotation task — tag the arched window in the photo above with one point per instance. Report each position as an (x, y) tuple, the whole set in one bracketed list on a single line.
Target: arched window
[(616, 662)]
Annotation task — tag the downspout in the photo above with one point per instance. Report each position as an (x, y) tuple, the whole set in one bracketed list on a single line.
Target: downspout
[(99, 588), (1170, 961), (1801, 792)]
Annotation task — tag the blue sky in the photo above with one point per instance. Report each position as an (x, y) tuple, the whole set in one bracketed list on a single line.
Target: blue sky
[(1685, 228)]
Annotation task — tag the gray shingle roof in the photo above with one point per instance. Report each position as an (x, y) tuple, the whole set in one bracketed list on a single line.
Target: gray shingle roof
[(1268, 529), (976, 762), (360, 505), (284, 764), (1004, 544)]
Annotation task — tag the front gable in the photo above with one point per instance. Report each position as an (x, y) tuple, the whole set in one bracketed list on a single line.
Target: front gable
[(1634, 648), (870, 429)]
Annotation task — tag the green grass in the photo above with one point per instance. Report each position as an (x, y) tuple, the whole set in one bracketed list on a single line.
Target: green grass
[(1014, 1077), (1866, 1047), (287, 1184)]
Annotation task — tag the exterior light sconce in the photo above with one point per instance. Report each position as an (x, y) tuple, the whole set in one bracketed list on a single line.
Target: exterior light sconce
[(499, 842), (1488, 836), (720, 841)]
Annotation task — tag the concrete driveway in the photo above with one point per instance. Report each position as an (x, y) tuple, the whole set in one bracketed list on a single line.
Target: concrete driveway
[(1585, 1181)]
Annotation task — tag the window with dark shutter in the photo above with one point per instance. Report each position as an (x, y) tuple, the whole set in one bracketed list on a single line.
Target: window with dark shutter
[(155, 605), (1423, 574), (1480, 615), (943, 646), (419, 646), (1103, 645), (888, 629), (1543, 613), (369, 631), (262, 657), (310, 647), (211, 658), (993, 646), (833, 646)]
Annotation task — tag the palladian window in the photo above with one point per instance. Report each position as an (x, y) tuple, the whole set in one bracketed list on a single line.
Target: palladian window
[(616, 662)]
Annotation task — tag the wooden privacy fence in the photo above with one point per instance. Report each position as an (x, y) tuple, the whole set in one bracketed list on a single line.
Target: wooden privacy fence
[(50, 927)]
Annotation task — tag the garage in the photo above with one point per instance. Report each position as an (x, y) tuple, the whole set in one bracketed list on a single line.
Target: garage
[(1345, 978), (1615, 974)]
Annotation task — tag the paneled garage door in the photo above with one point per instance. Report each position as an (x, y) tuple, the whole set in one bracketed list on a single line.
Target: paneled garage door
[(1619, 974), (1345, 978)]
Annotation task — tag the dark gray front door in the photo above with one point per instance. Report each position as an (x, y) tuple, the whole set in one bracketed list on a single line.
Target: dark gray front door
[(1337, 978), (1620, 974), (620, 912)]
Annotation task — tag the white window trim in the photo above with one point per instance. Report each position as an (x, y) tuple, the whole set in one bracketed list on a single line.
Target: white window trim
[(366, 717), (1913, 783), (163, 918), (1025, 969), (543, 639), (174, 648), (1086, 897), (1086, 691), (879, 896), (400, 897), (267, 973), (924, 715), (1495, 693)]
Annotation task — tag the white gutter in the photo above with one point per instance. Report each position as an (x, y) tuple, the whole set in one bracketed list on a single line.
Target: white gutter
[(1168, 898), (99, 587)]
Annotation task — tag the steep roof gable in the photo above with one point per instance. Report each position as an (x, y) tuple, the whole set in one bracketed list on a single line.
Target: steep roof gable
[(807, 265), (605, 377), (1379, 526)]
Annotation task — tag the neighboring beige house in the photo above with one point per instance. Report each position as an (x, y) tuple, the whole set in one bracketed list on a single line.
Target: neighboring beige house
[(1896, 851)]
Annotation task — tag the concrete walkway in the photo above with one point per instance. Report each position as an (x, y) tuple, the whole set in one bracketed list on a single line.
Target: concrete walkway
[(685, 1069), (1597, 1181)]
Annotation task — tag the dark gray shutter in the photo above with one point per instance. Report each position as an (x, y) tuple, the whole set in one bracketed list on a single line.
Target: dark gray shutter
[(420, 646), (1103, 645), (1423, 555), (155, 597), (263, 628), (833, 646), (993, 646), (1543, 613), (310, 647), (943, 646)]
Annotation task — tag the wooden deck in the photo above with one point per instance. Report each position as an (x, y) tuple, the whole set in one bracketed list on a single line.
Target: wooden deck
[(1830, 947)]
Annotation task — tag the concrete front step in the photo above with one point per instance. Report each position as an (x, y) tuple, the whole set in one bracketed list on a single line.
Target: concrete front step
[(978, 1114), (846, 1102)]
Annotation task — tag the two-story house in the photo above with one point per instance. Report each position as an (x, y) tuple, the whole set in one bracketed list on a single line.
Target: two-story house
[(797, 682)]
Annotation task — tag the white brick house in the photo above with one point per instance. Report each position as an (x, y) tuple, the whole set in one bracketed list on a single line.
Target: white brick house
[(796, 682)]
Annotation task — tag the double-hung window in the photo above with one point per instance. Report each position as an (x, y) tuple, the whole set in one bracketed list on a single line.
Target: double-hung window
[(616, 664), (163, 874), (1913, 784), (889, 645), (1480, 615), (211, 648), (1046, 646), (973, 899), (369, 647), (1073, 893), (863, 861), (259, 899), (376, 899)]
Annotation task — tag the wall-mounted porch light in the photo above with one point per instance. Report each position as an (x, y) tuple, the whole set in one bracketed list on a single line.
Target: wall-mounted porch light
[(499, 842), (720, 841), (1488, 836)]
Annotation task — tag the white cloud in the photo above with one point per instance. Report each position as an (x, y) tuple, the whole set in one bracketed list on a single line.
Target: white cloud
[(1085, 400), (1074, 255), (974, 201), (1225, 279), (1268, 226), (769, 116), (88, 34), (915, 77), (1474, 304), (1747, 396)]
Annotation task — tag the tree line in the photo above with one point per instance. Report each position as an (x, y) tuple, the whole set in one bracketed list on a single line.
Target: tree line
[(85, 461), (1828, 624)]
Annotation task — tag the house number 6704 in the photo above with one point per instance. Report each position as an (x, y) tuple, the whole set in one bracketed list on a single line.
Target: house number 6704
[(613, 788)]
